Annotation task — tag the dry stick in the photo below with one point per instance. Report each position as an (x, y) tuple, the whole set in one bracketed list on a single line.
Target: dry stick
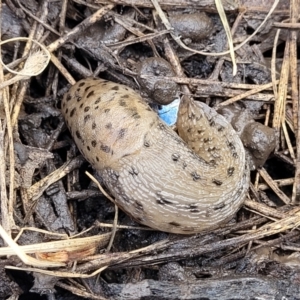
[(283, 225), (3, 192), (37, 189), (43, 12), (264, 209), (294, 7), (279, 182), (79, 291), (81, 27), (296, 186), (23, 86), (9, 140), (72, 34), (292, 25), (287, 139), (279, 107), (263, 173), (208, 82), (267, 118), (246, 94), (41, 21), (208, 5), (273, 64), (62, 19)]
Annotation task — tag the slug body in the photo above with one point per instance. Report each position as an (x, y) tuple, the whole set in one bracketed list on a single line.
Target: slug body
[(152, 173)]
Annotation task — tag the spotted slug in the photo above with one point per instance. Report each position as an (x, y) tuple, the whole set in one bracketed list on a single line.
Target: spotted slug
[(154, 176)]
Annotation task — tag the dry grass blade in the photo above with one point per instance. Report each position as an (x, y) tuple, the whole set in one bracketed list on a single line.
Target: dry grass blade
[(114, 230), (55, 246), (26, 259), (280, 102), (224, 21)]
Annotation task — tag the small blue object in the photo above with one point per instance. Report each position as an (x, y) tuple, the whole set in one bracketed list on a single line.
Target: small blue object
[(168, 113)]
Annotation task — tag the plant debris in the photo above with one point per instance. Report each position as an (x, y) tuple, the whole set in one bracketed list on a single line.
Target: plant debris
[(60, 231)]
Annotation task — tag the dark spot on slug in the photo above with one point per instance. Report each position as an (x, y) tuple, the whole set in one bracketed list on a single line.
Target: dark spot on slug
[(98, 100), (88, 147), (81, 105), (212, 162), (90, 94), (235, 155), (211, 122), (96, 107), (93, 125), (219, 206), (146, 144), (191, 116), (79, 99), (136, 116), (195, 176), (87, 108), (138, 206), (200, 131), (86, 118), (175, 156), (174, 224), (161, 126), (230, 171), (107, 110), (121, 133), (133, 171), (163, 201), (67, 110), (125, 96), (189, 129), (81, 84), (63, 104), (108, 126), (72, 112), (69, 97), (231, 146), (122, 103), (206, 140), (217, 182), (191, 206), (78, 90), (105, 148), (194, 210), (115, 88), (114, 175), (94, 143), (78, 135), (97, 158), (87, 88), (221, 128)]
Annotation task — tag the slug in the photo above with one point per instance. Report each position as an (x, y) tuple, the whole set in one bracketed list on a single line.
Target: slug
[(152, 173)]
